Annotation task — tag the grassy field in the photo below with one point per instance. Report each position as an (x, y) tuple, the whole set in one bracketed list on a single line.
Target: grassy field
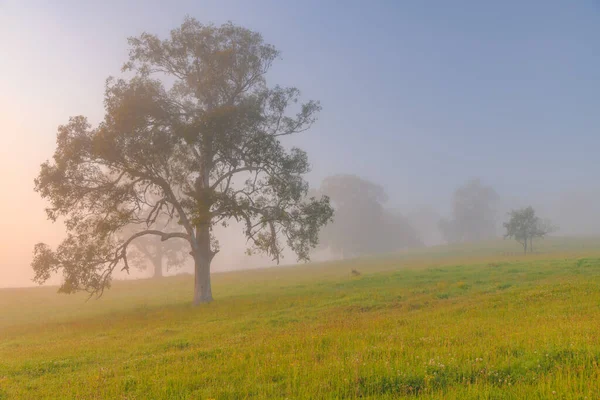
[(462, 322)]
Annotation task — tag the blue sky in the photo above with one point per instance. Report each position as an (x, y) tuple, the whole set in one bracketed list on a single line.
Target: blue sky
[(417, 95)]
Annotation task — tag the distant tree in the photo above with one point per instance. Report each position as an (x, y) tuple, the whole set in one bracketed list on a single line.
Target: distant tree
[(521, 226), (473, 214), (399, 233), (150, 248), (524, 226), (362, 224), (196, 128)]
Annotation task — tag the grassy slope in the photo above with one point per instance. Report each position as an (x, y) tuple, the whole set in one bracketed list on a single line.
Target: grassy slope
[(451, 322)]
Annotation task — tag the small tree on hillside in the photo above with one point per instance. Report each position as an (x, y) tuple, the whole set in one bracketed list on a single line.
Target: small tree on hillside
[(521, 225), (524, 226), (202, 149)]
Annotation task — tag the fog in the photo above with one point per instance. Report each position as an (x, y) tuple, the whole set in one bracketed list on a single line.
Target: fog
[(416, 101)]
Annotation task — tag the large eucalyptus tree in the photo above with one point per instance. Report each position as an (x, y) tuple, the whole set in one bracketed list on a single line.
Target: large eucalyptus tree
[(193, 134)]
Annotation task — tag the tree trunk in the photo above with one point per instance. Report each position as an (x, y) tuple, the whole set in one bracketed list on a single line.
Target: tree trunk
[(202, 251), (157, 263), (202, 288), (157, 268), (525, 246), (202, 260), (531, 245)]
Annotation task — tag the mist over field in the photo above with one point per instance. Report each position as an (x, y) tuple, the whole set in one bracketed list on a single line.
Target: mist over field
[(575, 211), (417, 100)]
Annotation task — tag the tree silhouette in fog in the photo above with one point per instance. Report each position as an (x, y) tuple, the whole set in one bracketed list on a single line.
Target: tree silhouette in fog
[(473, 214), (362, 224), (151, 249), (523, 225), (194, 135)]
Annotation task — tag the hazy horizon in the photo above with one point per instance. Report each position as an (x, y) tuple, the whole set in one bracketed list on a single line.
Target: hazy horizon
[(418, 99)]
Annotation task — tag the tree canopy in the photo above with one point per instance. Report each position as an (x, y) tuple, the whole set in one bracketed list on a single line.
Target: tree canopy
[(473, 214), (362, 224), (524, 226), (194, 136)]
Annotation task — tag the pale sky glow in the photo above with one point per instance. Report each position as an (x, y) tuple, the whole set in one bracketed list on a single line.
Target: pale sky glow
[(418, 98)]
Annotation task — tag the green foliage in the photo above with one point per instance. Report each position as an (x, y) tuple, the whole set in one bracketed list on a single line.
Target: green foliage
[(202, 150), (524, 225), (521, 225), (588, 262)]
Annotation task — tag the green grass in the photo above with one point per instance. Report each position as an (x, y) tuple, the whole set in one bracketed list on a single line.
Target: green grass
[(451, 322)]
